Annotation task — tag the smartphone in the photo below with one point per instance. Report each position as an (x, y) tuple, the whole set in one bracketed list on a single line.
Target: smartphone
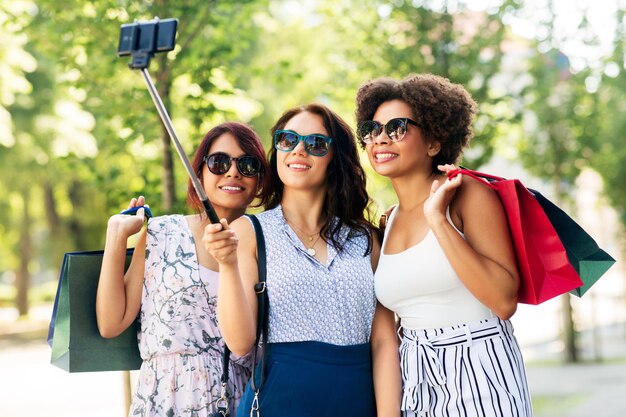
[(148, 37)]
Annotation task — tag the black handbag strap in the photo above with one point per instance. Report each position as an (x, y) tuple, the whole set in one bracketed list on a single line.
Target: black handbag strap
[(262, 313), (263, 305)]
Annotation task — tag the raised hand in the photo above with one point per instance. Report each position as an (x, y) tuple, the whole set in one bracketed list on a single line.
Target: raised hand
[(441, 193), (221, 242), (126, 224)]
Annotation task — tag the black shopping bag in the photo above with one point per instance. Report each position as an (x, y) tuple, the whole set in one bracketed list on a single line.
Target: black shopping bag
[(73, 333), (587, 258)]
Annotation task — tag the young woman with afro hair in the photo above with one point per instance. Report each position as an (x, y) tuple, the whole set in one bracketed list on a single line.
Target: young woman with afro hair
[(447, 266)]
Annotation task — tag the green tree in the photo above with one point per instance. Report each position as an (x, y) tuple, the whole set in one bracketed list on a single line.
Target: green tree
[(117, 97), (15, 146), (559, 115), (610, 127), (447, 38), (388, 38), (85, 129)]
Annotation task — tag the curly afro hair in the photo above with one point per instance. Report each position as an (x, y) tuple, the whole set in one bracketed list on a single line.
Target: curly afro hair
[(443, 111)]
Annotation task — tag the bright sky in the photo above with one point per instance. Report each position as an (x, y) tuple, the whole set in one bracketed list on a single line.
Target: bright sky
[(534, 20), (601, 17), (532, 23)]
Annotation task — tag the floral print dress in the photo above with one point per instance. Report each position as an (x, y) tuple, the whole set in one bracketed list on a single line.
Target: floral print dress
[(179, 339)]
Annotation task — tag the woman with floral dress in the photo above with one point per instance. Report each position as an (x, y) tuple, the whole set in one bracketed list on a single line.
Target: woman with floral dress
[(172, 283)]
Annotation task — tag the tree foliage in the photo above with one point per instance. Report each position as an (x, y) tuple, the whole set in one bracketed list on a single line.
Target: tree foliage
[(79, 134), (610, 125)]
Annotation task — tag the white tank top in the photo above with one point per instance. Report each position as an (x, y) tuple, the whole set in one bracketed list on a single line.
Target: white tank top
[(422, 288)]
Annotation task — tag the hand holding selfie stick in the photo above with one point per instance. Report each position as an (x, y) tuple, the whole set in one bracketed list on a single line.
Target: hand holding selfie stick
[(142, 40)]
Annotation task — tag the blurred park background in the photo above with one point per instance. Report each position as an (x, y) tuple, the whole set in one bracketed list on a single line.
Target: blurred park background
[(79, 136)]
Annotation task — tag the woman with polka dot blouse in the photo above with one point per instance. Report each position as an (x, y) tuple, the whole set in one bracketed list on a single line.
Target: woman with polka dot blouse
[(332, 350)]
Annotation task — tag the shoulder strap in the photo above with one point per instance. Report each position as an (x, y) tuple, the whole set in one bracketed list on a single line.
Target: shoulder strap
[(263, 305), (262, 311)]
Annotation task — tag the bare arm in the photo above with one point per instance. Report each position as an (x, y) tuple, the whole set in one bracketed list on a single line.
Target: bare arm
[(484, 260), (234, 248), (118, 298), (385, 355), (386, 363)]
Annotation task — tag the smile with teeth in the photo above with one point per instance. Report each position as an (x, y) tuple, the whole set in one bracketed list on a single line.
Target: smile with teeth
[(231, 188), (299, 166), (381, 157)]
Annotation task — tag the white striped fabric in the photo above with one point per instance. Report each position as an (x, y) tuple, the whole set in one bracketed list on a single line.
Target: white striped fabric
[(471, 370)]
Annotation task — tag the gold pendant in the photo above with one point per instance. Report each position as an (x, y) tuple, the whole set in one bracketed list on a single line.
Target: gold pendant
[(310, 239), (311, 251)]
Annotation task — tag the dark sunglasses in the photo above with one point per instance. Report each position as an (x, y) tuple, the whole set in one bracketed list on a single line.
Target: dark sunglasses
[(315, 144), (219, 163), (395, 129)]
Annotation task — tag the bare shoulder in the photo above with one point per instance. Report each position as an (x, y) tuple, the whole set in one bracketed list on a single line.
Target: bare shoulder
[(476, 195), (244, 231), (242, 226)]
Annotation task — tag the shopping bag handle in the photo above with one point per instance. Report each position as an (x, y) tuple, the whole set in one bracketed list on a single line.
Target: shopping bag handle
[(480, 176), (147, 212)]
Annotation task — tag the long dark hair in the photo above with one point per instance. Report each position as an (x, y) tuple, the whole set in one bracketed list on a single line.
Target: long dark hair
[(346, 195), (249, 142)]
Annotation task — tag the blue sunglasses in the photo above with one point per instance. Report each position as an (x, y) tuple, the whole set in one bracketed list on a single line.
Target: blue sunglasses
[(315, 144)]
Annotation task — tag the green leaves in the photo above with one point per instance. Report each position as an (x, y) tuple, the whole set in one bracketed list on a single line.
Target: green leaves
[(79, 127)]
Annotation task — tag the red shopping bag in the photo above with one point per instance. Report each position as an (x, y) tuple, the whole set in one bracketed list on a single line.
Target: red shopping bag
[(545, 271)]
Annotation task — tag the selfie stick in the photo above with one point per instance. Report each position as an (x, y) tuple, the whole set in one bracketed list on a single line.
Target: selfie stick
[(208, 208), (142, 40)]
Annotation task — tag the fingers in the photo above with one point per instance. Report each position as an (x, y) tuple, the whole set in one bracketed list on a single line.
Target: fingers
[(216, 227), (455, 182), (450, 182), (224, 224), (220, 241), (446, 168), (129, 221), (134, 202)]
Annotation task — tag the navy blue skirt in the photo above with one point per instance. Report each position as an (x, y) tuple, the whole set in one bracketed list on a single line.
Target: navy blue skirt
[(314, 379)]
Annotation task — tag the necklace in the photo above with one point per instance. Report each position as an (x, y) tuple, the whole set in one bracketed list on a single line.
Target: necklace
[(309, 238)]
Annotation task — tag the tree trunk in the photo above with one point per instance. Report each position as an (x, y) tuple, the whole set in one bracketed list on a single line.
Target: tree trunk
[(169, 189), (52, 217), (23, 277), (74, 226), (164, 84), (570, 341), (569, 331)]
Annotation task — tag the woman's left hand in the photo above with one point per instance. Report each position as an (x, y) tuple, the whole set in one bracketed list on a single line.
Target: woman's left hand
[(441, 193)]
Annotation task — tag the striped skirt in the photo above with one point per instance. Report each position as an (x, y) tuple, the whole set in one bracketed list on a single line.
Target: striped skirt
[(470, 370)]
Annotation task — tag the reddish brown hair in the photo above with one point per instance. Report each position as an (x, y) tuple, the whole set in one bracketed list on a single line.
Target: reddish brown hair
[(249, 142)]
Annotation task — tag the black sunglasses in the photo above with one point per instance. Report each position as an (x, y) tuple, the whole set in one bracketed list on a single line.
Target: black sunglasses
[(395, 129), (219, 163), (315, 144)]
